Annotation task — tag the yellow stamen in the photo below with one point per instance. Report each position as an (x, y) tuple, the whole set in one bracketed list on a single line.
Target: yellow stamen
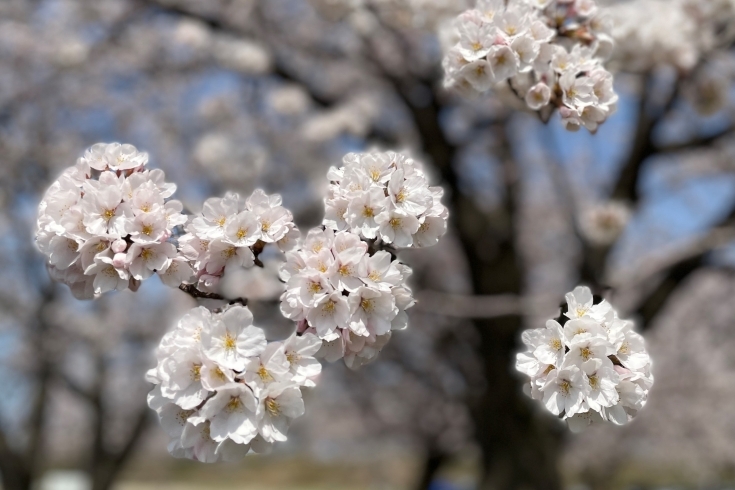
[(293, 358), (272, 406), (196, 372), (229, 342), (366, 304), (265, 376), (586, 353), (234, 404)]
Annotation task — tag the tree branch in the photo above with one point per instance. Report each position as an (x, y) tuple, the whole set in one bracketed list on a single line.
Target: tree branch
[(222, 25), (192, 291), (677, 272), (696, 143), (481, 306)]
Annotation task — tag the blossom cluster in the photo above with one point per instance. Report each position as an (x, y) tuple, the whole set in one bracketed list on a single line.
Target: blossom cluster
[(223, 389), (231, 232), (385, 196), (549, 52), (677, 33), (106, 223), (349, 296), (588, 367)]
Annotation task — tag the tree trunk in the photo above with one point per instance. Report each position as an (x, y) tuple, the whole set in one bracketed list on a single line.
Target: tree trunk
[(432, 463), (13, 475), (519, 446)]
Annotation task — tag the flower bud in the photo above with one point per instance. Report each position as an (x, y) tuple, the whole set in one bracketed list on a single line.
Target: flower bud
[(119, 246), (118, 261)]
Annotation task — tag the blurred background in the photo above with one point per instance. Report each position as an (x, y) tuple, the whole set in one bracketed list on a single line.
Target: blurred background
[(239, 94)]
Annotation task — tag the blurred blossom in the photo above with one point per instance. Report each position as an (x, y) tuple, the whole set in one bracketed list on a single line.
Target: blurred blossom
[(289, 100), (243, 56), (677, 32), (227, 161), (192, 34), (353, 117), (603, 223), (70, 53), (256, 284)]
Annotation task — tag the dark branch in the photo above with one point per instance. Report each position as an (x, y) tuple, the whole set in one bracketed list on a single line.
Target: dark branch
[(626, 188), (192, 291), (222, 25)]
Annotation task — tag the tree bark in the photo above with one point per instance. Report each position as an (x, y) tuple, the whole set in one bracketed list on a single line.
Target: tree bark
[(519, 448), (432, 463)]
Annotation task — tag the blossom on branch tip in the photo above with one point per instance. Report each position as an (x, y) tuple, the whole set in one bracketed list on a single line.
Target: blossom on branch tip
[(549, 53), (222, 389), (588, 366), (107, 223)]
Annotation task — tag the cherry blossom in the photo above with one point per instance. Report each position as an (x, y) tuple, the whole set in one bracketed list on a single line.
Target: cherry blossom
[(587, 366), (548, 54), (107, 223), (222, 389)]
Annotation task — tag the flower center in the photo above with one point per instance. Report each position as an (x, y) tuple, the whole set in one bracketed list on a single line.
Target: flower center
[(555, 344), (241, 233), (366, 304), (265, 376), (293, 358), (229, 342), (395, 222), (586, 353), (147, 230), (196, 372), (108, 214), (234, 404), (273, 407), (565, 386)]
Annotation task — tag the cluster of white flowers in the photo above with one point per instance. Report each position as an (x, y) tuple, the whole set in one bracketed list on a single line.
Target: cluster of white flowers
[(348, 297), (678, 32), (223, 389), (385, 196), (589, 367), (106, 223), (550, 53), (231, 233)]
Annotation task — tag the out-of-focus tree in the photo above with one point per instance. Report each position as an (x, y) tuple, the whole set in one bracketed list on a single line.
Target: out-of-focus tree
[(227, 95)]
